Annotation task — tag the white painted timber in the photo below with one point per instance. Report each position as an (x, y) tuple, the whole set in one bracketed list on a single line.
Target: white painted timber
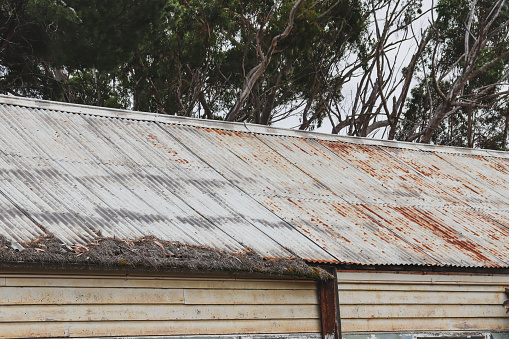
[(155, 282), (156, 328), (387, 302), (49, 306)]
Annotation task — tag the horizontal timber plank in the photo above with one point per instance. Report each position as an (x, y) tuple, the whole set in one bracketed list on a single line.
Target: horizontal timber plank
[(154, 328), (247, 297), (51, 313), (422, 311), (427, 324), (420, 287), (53, 295), (397, 277), (101, 282), (428, 297)]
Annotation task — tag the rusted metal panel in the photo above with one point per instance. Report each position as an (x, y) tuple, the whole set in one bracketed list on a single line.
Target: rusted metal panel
[(404, 186), (473, 232), (299, 198), (485, 170), (451, 241), (249, 163), (243, 171), (326, 168), (348, 233), (329, 306), (101, 172), (454, 182)]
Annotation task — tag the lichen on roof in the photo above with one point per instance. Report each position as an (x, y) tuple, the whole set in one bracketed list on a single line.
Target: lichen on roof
[(150, 253)]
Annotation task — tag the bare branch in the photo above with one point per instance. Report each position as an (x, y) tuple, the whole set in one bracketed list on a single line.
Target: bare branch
[(258, 70)]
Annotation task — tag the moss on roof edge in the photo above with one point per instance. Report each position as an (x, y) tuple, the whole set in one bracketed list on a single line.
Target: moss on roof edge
[(150, 254)]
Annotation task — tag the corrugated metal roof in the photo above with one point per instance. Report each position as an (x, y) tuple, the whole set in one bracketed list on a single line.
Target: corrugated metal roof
[(80, 172)]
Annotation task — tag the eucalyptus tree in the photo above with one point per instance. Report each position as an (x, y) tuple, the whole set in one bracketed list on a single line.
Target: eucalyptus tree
[(466, 75), (382, 73), (50, 48), (248, 60), (292, 54)]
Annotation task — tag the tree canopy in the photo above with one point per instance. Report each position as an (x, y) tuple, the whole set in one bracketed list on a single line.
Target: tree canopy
[(396, 69)]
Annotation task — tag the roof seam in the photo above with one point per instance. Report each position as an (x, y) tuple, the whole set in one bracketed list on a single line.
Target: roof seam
[(339, 197), (249, 195)]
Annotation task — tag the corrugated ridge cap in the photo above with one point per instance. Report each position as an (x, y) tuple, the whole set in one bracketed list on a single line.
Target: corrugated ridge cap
[(236, 126)]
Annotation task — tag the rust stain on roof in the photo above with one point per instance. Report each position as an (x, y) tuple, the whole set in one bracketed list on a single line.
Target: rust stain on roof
[(288, 194)]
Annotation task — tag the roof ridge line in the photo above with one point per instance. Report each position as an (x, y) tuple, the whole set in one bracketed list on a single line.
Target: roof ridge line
[(236, 126)]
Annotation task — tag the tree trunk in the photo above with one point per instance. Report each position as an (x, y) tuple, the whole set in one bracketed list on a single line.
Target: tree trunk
[(506, 129), (470, 124), (258, 70), (205, 106), (9, 35), (269, 103), (439, 115)]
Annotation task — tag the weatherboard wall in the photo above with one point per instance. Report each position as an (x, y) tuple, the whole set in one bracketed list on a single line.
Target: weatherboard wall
[(45, 306), (381, 302)]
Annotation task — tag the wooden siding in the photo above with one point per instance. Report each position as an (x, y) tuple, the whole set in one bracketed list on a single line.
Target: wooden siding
[(385, 302), (85, 306)]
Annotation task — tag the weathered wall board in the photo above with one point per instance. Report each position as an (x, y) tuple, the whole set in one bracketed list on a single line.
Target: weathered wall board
[(55, 306), (387, 302)]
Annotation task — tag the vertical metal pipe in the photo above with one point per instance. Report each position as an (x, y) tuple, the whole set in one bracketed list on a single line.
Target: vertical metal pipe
[(329, 305), (338, 313)]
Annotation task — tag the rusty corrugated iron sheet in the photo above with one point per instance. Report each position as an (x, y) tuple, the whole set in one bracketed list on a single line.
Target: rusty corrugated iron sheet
[(404, 185), (79, 173), (456, 182), (299, 197)]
